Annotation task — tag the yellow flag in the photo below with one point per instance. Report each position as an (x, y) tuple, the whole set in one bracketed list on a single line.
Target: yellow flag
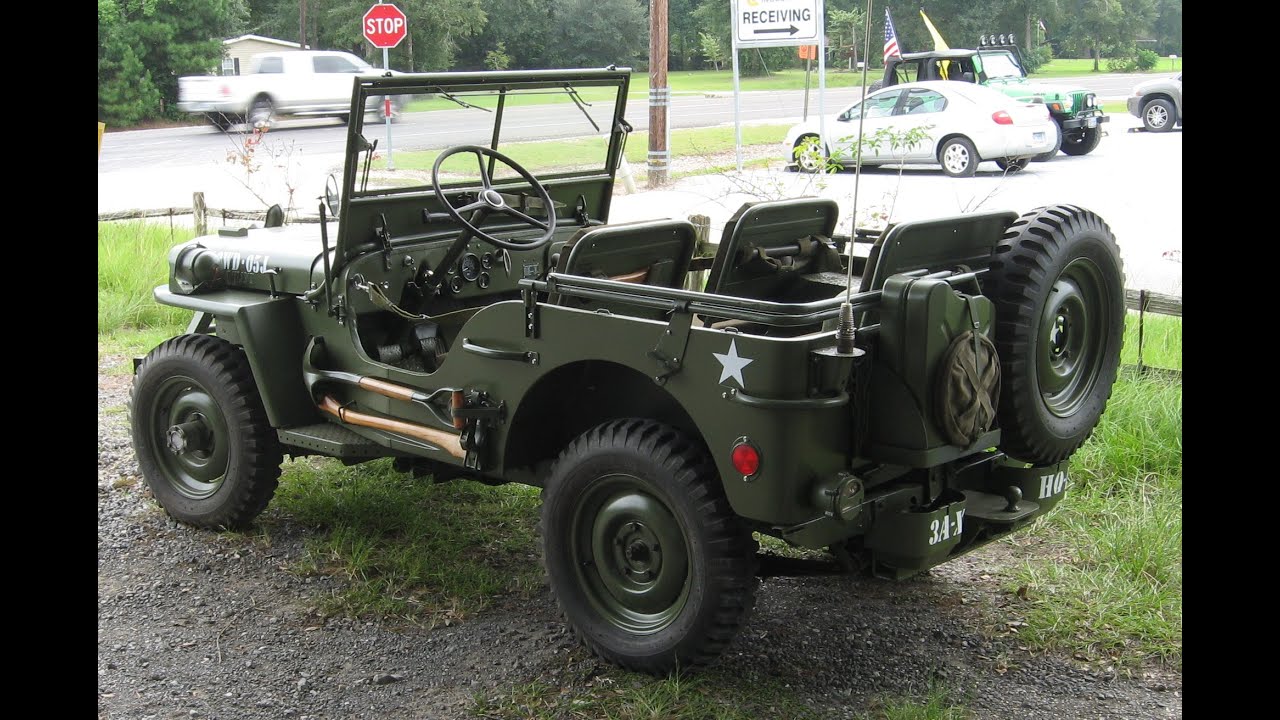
[(938, 44)]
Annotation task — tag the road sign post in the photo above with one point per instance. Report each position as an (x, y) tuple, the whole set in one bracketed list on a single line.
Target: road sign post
[(777, 23), (385, 26)]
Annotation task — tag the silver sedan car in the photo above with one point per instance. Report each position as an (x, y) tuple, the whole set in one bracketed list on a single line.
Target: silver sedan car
[(953, 124)]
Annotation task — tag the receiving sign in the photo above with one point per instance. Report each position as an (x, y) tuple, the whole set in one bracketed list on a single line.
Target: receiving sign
[(773, 23)]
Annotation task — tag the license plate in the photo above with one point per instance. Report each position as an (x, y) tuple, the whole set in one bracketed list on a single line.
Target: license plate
[(1091, 122), (1038, 137)]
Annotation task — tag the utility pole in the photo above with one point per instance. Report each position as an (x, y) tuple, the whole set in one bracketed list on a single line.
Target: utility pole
[(659, 94), (302, 24)]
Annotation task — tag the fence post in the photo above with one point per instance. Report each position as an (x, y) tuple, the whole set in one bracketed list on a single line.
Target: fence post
[(701, 231), (199, 210)]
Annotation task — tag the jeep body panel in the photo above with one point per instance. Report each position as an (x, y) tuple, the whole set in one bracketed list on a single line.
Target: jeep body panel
[(474, 315)]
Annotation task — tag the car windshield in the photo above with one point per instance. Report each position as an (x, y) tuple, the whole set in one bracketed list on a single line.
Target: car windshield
[(552, 129), (1000, 65)]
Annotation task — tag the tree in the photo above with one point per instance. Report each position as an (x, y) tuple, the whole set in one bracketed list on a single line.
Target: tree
[(1168, 27), (167, 39), (598, 33), (497, 58), (713, 49), (1110, 26), (847, 28)]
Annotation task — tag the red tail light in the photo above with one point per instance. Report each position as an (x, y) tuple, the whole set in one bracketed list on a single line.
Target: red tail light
[(746, 459), (226, 90), (1002, 118)]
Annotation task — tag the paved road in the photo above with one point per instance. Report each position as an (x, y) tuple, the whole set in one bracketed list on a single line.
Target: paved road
[(193, 146), (1134, 180)]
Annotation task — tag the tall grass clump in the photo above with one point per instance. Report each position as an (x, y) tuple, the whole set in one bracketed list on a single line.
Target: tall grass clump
[(132, 261), (1114, 587)]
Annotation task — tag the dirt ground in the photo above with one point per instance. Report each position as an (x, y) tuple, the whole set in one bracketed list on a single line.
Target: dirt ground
[(194, 624)]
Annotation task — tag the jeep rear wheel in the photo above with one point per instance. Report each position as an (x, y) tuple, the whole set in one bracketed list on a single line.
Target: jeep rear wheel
[(1057, 284), (1081, 142), (647, 561), (201, 434)]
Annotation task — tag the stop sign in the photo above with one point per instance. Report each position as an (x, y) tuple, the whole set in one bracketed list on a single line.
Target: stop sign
[(385, 26)]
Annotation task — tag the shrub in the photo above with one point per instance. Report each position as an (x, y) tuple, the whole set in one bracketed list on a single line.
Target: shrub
[(1146, 59), (1037, 58)]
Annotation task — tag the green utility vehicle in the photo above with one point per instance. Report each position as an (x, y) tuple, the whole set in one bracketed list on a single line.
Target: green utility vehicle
[(899, 398), (998, 64)]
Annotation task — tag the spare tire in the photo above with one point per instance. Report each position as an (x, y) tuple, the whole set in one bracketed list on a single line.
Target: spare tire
[(1058, 287)]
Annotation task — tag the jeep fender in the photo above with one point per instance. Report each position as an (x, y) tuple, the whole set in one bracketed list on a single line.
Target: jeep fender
[(271, 333)]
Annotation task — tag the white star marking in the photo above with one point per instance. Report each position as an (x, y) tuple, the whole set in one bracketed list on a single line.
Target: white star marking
[(732, 364)]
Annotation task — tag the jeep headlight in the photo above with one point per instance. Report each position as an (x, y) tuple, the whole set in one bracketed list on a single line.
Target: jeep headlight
[(1089, 101)]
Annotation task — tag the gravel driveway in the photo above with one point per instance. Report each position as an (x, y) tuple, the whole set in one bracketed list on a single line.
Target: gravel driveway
[(194, 624)]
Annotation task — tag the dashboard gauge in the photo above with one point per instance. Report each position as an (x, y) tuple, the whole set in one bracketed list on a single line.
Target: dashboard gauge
[(470, 267), (456, 285), (483, 281), (486, 261)]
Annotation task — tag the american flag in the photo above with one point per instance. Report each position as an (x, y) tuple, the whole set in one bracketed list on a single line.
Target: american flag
[(890, 38)]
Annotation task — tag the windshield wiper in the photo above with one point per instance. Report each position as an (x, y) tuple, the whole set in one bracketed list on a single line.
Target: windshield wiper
[(369, 147), (582, 104), (463, 103)]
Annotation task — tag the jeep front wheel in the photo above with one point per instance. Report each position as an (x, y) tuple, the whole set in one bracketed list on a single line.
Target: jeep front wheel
[(201, 435), (648, 563), (1081, 142), (1058, 288)]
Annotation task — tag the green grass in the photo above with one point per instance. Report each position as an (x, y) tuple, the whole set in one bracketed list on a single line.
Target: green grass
[(408, 548), (1070, 67), (1113, 589), (620, 695), (937, 704), (1161, 341), (557, 155), (132, 261), (713, 694), (721, 81)]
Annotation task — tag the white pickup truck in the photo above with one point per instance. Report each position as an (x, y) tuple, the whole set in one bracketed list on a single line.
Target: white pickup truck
[(303, 83)]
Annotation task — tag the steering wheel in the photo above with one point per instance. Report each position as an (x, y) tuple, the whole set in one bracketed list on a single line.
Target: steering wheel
[(491, 201)]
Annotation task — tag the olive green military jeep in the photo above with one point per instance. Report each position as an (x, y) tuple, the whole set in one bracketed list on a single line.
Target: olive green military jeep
[(899, 398), (997, 63)]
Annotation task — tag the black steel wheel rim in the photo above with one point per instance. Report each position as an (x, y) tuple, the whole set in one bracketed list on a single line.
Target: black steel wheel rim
[(1073, 334), (630, 555), (190, 436)]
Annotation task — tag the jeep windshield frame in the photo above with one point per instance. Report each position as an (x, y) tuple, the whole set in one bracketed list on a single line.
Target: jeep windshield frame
[(565, 127), (1000, 65), (488, 100)]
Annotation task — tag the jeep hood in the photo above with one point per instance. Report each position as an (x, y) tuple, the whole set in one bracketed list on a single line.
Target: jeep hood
[(286, 259), (1023, 88)]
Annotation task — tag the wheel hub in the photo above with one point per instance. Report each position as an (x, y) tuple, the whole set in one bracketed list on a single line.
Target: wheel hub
[(641, 553), (492, 198), (191, 435), (188, 423), (632, 555)]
